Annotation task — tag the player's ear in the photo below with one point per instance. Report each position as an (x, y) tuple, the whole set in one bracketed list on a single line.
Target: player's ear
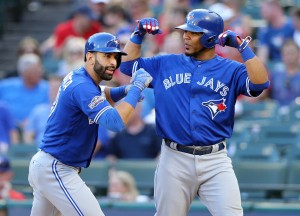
[(90, 57)]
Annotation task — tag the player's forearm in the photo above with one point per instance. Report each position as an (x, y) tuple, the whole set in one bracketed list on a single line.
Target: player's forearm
[(108, 96), (125, 110), (257, 72), (126, 107), (133, 50)]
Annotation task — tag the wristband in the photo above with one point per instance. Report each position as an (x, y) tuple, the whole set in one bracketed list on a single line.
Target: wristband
[(244, 44), (137, 38), (117, 93), (247, 54), (133, 96)]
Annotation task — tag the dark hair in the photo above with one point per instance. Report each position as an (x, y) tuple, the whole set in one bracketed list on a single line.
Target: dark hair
[(4, 164)]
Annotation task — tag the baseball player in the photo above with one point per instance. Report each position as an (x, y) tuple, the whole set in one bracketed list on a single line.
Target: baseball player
[(195, 94), (71, 130)]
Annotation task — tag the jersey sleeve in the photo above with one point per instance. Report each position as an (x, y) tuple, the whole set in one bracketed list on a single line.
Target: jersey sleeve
[(245, 86), (91, 101), (151, 65)]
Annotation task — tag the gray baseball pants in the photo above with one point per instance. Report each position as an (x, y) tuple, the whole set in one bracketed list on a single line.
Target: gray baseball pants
[(180, 177), (59, 190)]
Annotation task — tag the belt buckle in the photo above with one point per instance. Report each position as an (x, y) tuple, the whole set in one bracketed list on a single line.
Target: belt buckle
[(173, 145), (200, 148)]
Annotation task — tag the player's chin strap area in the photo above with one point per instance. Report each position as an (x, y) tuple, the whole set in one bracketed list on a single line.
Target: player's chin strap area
[(196, 150)]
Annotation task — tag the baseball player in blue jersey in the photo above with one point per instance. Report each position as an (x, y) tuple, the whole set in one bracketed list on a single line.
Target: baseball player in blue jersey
[(71, 131), (195, 94)]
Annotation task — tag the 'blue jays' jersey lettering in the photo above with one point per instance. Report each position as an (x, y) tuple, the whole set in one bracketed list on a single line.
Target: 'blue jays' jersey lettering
[(179, 79), (201, 95), (79, 102)]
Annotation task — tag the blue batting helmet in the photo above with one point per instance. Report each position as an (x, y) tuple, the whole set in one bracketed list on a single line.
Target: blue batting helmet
[(105, 43), (206, 21)]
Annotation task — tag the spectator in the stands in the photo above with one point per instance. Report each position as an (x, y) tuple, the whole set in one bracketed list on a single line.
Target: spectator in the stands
[(285, 82), (236, 21), (24, 92), (103, 142), (28, 44), (138, 140), (240, 23), (279, 27), (35, 125), (72, 55), (6, 175), (295, 14), (8, 131), (138, 9), (82, 23), (115, 18), (122, 186), (98, 7), (173, 14)]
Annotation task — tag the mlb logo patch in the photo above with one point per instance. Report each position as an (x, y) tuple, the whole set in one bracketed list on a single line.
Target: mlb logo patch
[(95, 101)]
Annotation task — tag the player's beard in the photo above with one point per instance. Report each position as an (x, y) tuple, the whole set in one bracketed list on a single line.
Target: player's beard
[(197, 53), (100, 70)]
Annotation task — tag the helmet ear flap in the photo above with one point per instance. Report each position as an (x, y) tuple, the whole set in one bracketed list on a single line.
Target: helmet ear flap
[(119, 61), (208, 41)]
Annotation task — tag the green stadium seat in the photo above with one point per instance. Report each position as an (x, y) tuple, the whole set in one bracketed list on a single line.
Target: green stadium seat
[(294, 113), (260, 179), (282, 135), (259, 111), (260, 171), (96, 176), (22, 151), (292, 191), (20, 168), (256, 152)]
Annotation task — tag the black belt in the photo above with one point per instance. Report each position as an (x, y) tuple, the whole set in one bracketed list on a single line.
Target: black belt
[(195, 150)]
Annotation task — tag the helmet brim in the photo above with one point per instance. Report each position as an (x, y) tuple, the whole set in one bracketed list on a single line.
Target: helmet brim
[(117, 51), (190, 28), (109, 50)]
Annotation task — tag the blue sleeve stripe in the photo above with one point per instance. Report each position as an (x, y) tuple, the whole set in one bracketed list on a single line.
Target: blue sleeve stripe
[(100, 113)]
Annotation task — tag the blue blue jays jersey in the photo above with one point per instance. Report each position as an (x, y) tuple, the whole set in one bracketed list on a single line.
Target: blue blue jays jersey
[(72, 126), (195, 100)]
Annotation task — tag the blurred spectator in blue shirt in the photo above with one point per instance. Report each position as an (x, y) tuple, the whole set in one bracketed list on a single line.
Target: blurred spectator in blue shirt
[(285, 83), (24, 92), (137, 141), (101, 149), (271, 37), (295, 14), (35, 126), (8, 131)]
